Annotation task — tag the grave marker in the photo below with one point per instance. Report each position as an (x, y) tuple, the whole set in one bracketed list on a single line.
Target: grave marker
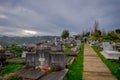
[(108, 51), (2, 59), (58, 60)]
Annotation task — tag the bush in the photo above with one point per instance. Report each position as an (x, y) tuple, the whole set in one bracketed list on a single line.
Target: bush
[(13, 76)]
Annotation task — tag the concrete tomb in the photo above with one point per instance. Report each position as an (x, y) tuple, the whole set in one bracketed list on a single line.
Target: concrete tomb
[(108, 51)]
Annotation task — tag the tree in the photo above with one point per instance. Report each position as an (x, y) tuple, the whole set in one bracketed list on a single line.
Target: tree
[(113, 36), (65, 34), (117, 31), (97, 32), (87, 34), (96, 26)]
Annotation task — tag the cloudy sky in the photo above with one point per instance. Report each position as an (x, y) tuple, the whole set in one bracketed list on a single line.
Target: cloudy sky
[(51, 17)]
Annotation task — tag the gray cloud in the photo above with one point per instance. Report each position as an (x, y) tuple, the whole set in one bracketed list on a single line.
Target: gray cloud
[(51, 17)]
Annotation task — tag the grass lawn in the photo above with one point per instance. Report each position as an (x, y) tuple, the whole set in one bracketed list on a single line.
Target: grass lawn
[(76, 69), (111, 64), (67, 50), (10, 67)]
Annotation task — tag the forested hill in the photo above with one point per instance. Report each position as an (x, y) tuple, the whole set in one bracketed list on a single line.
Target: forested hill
[(4, 40)]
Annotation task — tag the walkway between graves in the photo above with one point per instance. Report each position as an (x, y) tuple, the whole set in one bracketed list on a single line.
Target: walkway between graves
[(94, 68)]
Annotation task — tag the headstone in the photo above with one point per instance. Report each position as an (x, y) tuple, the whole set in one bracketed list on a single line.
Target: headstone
[(107, 46), (56, 43), (2, 60), (59, 47), (119, 59), (24, 54), (108, 51), (40, 58), (53, 48), (44, 56), (10, 54), (73, 42), (1, 48), (118, 47), (58, 60), (30, 59)]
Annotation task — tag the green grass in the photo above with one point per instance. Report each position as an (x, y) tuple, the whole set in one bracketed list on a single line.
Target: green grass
[(112, 64), (76, 69), (17, 50), (10, 67), (67, 50)]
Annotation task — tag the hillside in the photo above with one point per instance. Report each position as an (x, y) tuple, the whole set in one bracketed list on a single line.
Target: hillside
[(4, 40)]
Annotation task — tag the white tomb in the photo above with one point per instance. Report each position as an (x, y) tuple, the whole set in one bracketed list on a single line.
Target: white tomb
[(78, 42), (108, 51), (24, 54)]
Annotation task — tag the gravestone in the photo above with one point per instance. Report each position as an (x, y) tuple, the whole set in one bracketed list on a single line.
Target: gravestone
[(73, 43), (58, 60), (107, 46), (39, 58), (108, 51), (53, 48), (59, 47), (119, 59), (118, 47), (10, 54), (73, 52), (43, 56), (30, 59), (2, 59), (24, 54)]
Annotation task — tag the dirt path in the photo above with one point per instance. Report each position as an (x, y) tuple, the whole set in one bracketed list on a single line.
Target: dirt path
[(94, 68)]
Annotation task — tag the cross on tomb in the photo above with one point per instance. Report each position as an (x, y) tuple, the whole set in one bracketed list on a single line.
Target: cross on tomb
[(40, 58)]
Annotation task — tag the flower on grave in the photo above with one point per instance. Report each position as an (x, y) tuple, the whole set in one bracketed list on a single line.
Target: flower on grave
[(45, 68)]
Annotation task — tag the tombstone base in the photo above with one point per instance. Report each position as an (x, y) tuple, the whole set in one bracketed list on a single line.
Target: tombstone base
[(110, 54)]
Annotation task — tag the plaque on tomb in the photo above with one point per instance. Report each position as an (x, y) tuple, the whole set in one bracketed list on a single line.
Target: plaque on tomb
[(30, 59)]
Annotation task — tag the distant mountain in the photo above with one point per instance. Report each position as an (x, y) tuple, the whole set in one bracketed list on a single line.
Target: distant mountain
[(1, 35), (4, 40)]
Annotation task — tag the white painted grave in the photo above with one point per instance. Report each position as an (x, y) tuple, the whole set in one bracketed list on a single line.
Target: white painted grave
[(108, 51)]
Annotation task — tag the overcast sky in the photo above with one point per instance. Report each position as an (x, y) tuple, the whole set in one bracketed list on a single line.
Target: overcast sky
[(51, 17)]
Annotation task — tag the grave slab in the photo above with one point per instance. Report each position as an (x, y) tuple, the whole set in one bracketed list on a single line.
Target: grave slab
[(58, 75), (30, 74)]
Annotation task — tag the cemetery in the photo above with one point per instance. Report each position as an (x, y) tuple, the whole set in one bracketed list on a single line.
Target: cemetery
[(59, 39), (44, 61), (53, 61), (67, 59)]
